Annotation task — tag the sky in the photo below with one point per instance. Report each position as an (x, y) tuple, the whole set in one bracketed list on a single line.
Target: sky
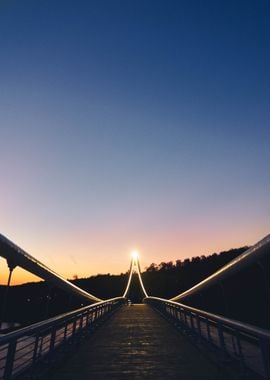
[(133, 124)]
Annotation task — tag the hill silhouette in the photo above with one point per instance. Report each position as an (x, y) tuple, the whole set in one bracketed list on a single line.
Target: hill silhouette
[(244, 296)]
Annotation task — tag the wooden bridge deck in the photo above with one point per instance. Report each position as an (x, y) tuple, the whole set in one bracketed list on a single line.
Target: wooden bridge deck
[(137, 343)]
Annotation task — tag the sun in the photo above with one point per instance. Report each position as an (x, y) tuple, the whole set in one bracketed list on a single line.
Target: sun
[(135, 255)]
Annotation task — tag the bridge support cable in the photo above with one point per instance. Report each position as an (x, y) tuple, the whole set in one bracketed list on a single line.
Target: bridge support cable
[(12, 253), (252, 255), (140, 278), (129, 278), (135, 267)]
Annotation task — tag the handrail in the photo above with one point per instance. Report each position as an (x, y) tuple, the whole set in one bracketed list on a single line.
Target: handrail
[(241, 326), (140, 279), (239, 341), (21, 350), (248, 257), (17, 256), (54, 320)]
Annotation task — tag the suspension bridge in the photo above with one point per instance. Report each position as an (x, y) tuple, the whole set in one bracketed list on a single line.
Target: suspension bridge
[(161, 338)]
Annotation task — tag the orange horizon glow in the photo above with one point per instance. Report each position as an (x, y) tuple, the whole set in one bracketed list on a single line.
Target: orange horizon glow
[(85, 265)]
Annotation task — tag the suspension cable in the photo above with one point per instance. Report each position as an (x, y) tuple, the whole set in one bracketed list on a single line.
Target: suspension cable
[(11, 252), (129, 278), (140, 278), (135, 265), (250, 256)]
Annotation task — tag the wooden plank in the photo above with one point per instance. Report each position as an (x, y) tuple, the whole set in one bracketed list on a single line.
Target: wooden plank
[(137, 343)]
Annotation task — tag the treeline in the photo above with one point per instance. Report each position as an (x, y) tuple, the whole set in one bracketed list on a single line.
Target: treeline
[(32, 302), (244, 296), (171, 278)]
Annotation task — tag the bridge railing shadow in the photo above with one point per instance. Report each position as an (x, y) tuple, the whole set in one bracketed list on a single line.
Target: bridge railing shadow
[(244, 344), (22, 349)]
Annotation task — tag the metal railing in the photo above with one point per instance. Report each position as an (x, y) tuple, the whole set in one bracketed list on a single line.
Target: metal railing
[(22, 349), (243, 343)]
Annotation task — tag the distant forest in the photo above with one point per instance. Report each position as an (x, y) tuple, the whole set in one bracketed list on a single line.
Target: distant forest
[(244, 296)]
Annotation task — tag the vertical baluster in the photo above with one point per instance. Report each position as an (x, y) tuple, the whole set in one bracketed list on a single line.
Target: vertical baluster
[(209, 337), (35, 352), (65, 330), (52, 340), (10, 360), (81, 321), (191, 321), (74, 327), (199, 324), (185, 317), (87, 319), (221, 337), (239, 348)]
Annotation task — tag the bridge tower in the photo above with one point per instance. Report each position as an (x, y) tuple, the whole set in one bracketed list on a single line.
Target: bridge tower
[(135, 269)]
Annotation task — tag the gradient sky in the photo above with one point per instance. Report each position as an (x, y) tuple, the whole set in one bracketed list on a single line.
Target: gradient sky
[(133, 124)]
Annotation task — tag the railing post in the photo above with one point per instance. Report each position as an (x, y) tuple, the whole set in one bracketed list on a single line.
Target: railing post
[(240, 353), (209, 337), (35, 348), (40, 346), (239, 347), (221, 337), (102, 310), (65, 330), (74, 327), (52, 341), (191, 321), (81, 321), (182, 315), (87, 319), (10, 360), (233, 340), (199, 325), (93, 318), (185, 318), (172, 312)]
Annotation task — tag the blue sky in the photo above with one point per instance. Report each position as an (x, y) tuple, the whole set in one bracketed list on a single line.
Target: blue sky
[(133, 124)]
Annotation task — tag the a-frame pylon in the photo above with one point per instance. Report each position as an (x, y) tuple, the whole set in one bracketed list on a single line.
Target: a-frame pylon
[(135, 268)]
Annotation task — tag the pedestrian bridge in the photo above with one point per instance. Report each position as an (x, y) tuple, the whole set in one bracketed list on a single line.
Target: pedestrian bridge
[(157, 339)]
